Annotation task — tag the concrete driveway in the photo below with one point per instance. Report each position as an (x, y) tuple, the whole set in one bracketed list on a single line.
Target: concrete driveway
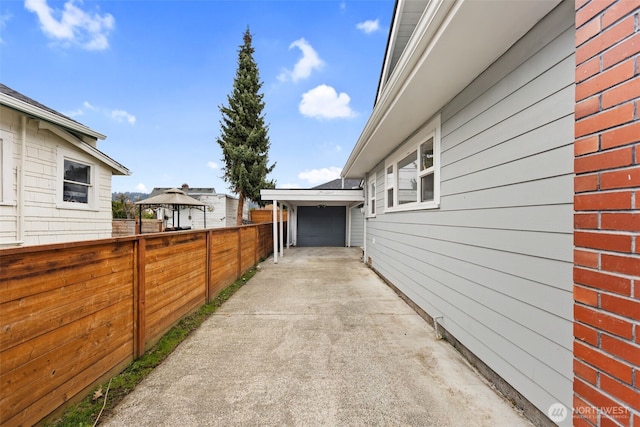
[(317, 339)]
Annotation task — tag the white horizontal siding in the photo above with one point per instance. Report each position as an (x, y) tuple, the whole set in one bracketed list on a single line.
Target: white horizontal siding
[(357, 227), (44, 222), (495, 260)]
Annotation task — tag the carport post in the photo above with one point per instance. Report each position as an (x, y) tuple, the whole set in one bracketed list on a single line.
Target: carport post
[(282, 231), (275, 231), (288, 225)]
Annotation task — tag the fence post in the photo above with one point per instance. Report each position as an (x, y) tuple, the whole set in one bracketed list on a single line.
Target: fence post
[(255, 245), (239, 253), (207, 281), (140, 297)]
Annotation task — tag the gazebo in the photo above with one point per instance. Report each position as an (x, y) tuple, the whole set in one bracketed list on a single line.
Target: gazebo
[(173, 199)]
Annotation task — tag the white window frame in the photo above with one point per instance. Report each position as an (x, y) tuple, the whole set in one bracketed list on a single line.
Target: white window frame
[(6, 168), (93, 187), (430, 130), (372, 207), (389, 186)]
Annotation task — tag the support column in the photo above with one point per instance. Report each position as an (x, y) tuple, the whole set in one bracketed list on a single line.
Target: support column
[(282, 231), (288, 225), (275, 231)]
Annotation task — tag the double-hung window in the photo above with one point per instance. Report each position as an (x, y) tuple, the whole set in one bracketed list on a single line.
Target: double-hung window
[(77, 185), (413, 172)]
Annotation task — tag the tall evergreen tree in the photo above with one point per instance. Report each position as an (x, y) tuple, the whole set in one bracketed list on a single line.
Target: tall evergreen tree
[(244, 135)]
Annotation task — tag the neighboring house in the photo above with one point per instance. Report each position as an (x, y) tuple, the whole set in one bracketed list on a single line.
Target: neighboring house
[(219, 211), (55, 184), (484, 111)]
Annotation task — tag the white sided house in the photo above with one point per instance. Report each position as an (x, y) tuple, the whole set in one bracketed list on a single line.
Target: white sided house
[(219, 210), (468, 166), (55, 185)]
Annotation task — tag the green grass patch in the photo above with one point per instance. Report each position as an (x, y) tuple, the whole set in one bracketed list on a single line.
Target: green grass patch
[(86, 411)]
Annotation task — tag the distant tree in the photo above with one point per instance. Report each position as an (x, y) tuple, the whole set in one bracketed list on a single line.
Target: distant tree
[(122, 207), (244, 135), (117, 210)]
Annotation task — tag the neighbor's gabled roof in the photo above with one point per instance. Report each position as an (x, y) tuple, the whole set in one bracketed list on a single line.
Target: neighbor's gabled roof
[(58, 123), (450, 45)]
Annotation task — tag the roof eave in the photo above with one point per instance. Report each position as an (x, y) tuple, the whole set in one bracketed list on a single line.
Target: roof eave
[(116, 167), (453, 43), (48, 116)]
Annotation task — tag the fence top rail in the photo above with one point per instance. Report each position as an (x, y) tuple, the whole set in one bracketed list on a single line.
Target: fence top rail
[(108, 240)]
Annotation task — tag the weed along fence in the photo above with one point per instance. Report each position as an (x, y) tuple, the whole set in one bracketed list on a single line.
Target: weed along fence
[(72, 315)]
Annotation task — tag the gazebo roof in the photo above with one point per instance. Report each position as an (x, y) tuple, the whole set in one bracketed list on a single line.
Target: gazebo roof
[(172, 196)]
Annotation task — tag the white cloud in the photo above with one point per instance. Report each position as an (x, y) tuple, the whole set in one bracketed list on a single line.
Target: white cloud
[(304, 67), (319, 176), (118, 115), (323, 102), (121, 115), (289, 185), (141, 188), (369, 26), (73, 25), (212, 165), (75, 113), (3, 22)]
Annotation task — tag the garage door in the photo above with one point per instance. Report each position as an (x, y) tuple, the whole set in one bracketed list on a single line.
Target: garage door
[(321, 226)]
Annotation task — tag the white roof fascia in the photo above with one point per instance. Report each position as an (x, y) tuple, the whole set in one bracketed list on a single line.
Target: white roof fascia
[(48, 116), (433, 15), (299, 195), (94, 152), (454, 41)]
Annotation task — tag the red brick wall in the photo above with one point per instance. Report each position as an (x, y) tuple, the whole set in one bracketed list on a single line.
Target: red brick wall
[(607, 214)]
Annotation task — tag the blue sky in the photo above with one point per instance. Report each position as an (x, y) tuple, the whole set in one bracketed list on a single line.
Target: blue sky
[(150, 75)]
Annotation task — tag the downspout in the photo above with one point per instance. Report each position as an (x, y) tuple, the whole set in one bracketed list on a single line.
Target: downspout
[(365, 205), (21, 173)]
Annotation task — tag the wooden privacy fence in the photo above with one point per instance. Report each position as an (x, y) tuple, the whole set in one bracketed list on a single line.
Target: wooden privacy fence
[(74, 314), (258, 216)]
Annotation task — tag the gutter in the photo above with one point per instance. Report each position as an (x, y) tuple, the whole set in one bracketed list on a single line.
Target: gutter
[(436, 13)]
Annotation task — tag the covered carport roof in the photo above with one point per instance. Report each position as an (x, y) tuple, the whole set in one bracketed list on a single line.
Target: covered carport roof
[(305, 197), (313, 197)]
